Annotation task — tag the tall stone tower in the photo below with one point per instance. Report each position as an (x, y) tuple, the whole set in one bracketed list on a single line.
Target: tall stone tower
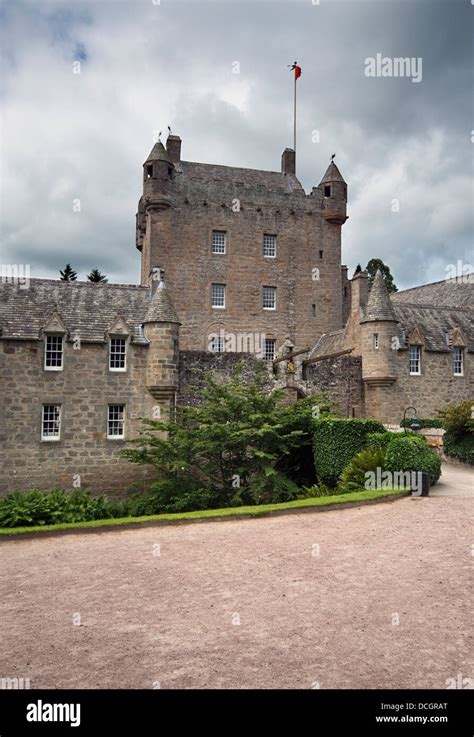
[(246, 252)]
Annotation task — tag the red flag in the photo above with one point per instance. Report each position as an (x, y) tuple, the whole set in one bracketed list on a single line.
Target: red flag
[(296, 69)]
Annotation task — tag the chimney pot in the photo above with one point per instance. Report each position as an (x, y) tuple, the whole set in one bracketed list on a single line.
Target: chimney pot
[(288, 161)]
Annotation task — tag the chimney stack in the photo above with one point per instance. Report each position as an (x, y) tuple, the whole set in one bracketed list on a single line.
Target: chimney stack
[(359, 296), (288, 161), (173, 147)]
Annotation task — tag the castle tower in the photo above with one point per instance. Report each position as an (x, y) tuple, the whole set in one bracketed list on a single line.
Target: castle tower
[(245, 251), (378, 328), (161, 328)]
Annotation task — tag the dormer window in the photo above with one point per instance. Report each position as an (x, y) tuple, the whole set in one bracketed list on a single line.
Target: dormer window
[(149, 171), (458, 361), (327, 190), (118, 354), (53, 352)]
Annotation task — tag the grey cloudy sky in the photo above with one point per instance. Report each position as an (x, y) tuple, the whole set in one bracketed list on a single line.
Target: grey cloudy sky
[(144, 65)]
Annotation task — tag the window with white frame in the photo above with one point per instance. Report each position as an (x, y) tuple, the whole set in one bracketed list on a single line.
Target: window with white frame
[(376, 341), (458, 361), (53, 352), (51, 422), (117, 354), (269, 349), (217, 344), (115, 421), (218, 295), (269, 298), (218, 241), (415, 359), (269, 246)]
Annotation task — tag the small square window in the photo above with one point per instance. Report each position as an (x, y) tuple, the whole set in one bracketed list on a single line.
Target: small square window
[(269, 298), (218, 241), (269, 349), (118, 354), (115, 421), (458, 361), (415, 359), (53, 353), (269, 246), (218, 296), (327, 190), (51, 422)]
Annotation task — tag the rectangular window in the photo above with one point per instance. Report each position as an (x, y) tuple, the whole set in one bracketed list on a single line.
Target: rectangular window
[(269, 349), (217, 344), (218, 241), (376, 341), (115, 421), (269, 298), (320, 254), (218, 295), (458, 361), (53, 353), (118, 354), (327, 190), (415, 352), (51, 422), (269, 246)]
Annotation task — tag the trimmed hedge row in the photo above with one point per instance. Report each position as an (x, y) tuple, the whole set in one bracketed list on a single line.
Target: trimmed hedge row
[(411, 453), (336, 442), (459, 446), (438, 423)]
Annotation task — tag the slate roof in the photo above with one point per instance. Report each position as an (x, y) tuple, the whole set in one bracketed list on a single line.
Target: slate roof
[(450, 293), (434, 324), (158, 153), (332, 174), (87, 309), (161, 307), (379, 306), (192, 175), (329, 343)]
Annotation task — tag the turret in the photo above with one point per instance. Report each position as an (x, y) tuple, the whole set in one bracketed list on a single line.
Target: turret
[(157, 172), (334, 192), (161, 328), (378, 328)]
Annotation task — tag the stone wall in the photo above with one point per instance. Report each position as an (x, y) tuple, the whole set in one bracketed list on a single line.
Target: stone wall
[(429, 392), (84, 388), (193, 363), (342, 376)]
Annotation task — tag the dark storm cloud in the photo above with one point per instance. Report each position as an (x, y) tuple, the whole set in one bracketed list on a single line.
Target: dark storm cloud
[(84, 136)]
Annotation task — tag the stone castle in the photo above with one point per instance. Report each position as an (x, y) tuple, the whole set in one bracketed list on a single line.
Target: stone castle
[(252, 267)]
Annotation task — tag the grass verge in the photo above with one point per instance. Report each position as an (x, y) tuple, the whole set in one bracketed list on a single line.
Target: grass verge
[(250, 511)]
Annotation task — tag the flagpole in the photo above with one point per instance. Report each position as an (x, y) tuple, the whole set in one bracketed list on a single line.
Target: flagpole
[(294, 121)]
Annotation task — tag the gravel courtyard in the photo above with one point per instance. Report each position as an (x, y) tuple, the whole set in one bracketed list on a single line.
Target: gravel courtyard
[(368, 597)]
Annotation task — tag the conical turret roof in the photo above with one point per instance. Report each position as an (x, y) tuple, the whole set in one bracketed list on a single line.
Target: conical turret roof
[(158, 153), (332, 174), (161, 307), (379, 306)]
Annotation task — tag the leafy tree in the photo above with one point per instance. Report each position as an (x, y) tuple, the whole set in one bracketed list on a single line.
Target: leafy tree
[(97, 276), (230, 445), (372, 267), (68, 274)]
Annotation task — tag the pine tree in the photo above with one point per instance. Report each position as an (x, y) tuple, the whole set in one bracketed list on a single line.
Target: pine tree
[(68, 274), (96, 276), (372, 267)]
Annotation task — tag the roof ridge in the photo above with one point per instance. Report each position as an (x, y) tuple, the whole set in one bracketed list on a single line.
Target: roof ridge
[(82, 283), (440, 281)]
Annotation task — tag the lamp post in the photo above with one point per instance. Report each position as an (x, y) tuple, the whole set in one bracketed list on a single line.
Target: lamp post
[(414, 425)]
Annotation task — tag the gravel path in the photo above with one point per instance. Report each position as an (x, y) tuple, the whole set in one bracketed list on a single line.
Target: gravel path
[(370, 597)]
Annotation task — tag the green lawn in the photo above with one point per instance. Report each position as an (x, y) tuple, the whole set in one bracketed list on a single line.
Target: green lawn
[(250, 511)]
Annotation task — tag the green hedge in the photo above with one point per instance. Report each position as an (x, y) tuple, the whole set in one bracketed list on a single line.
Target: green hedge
[(335, 443), (460, 446), (411, 453), (24, 508), (438, 423), (378, 440)]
